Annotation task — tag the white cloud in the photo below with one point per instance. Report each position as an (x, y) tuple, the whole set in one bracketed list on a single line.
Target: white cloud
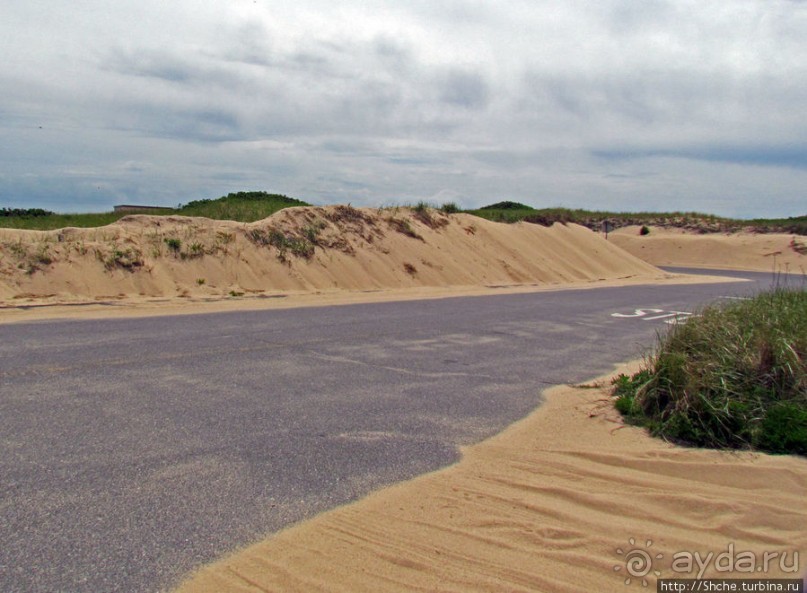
[(615, 104)]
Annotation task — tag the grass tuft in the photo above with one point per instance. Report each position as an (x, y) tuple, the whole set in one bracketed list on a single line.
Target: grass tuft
[(404, 227), (734, 377), (450, 208)]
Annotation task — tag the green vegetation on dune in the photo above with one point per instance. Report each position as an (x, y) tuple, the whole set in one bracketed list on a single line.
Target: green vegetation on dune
[(241, 207), (60, 221), (507, 205), (510, 212), (795, 224), (506, 211), (255, 205), (734, 376)]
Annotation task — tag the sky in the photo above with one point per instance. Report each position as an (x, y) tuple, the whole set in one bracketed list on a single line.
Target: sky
[(627, 105)]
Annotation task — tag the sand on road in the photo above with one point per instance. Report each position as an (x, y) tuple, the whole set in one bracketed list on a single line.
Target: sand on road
[(558, 502)]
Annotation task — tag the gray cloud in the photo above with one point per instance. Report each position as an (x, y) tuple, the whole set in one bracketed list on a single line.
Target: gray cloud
[(762, 156), (465, 89), (653, 104)]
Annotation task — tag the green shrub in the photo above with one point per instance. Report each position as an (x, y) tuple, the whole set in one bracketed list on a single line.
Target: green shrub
[(734, 376), (784, 429)]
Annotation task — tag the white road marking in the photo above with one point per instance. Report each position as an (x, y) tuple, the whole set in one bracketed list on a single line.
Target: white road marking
[(638, 313), (670, 317)]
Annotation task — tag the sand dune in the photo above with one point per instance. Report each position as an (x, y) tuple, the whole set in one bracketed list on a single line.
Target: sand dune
[(735, 251), (550, 505), (302, 250)]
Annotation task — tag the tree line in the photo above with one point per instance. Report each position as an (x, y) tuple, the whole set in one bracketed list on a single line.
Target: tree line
[(24, 212)]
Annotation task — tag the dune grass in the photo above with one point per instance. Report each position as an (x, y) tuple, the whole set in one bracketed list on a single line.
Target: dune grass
[(510, 212), (241, 207), (735, 376)]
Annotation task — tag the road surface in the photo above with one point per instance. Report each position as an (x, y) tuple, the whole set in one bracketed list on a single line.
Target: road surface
[(133, 450)]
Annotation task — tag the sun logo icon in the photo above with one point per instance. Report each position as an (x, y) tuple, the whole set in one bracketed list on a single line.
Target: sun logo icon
[(638, 562)]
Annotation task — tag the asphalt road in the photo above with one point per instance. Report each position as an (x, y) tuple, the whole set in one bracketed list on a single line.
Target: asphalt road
[(133, 450)]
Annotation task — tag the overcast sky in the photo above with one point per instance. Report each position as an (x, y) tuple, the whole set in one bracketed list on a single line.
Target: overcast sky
[(599, 104)]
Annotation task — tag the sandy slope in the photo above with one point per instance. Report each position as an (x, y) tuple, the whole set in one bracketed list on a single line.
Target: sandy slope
[(545, 506), (736, 251), (299, 249)]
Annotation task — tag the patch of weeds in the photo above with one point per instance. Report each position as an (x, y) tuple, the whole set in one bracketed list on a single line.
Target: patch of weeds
[(259, 237), (428, 216), (194, 251), (279, 241), (43, 256), (450, 208), (200, 281), (645, 230), (128, 259), (423, 215), (30, 262), (224, 238), (19, 250), (156, 242), (410, 269), (285, 244), (174, 244), (236, 293), (311, 231), (470, 229), (301, 248), (346, 214), (404, 227), (222, 242), (298, 246)]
